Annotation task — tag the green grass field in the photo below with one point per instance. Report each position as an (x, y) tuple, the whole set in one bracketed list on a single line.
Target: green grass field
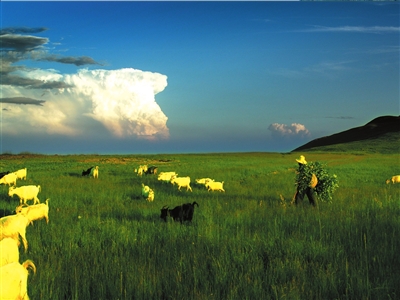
[(104, 241)]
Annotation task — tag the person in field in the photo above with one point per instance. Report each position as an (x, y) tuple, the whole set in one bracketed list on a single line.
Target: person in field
[(306, 182)]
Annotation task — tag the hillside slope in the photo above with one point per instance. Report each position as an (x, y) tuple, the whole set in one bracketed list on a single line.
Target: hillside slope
[(382, 132)]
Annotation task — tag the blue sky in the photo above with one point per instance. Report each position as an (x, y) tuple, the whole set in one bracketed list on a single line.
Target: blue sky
[(179, 77)]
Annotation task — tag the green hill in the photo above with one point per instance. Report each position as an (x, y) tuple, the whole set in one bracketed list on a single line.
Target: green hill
[(381, 135)]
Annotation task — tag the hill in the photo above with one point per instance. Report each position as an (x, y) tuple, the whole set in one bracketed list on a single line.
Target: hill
[(379, 135)]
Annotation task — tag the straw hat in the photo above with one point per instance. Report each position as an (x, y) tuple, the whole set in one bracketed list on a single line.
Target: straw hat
[(302, 160)]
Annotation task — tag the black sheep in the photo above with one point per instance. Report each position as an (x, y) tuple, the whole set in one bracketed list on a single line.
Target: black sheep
[(151, 170), (87, 172), (180, 213)]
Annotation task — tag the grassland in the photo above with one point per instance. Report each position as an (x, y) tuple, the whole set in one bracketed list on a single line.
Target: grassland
[(104, 242)]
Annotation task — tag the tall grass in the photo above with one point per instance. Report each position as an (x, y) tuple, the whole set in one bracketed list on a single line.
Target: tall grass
[(104, 242)]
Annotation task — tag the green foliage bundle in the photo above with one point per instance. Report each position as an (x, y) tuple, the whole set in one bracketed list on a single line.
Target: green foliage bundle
[(326, 183)]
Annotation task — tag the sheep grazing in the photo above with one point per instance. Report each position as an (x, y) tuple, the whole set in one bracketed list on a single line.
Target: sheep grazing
[(21, 174), (147, 193), (166, 176), (150, 197), (203, 180), (151, 170), (394, 179), (9, 179), (14, 226), (181, 182), (87, 172), (2, 174), (180, 213), (14, 280), (26, 192), (9, 251), (96, 172), (35, 212), (215, 186), (142, 169)]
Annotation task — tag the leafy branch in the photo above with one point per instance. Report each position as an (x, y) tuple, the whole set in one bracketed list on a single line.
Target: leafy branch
[(327, 183)]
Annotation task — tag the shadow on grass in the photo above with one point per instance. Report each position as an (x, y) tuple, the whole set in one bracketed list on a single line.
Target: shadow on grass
[(75, 174), (6, 212)]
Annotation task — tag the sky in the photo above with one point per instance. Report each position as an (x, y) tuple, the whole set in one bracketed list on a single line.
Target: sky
[(192, 77)]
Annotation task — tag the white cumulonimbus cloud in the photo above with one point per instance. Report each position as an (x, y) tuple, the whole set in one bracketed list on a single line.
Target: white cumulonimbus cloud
[(123, 101), (293, 130)]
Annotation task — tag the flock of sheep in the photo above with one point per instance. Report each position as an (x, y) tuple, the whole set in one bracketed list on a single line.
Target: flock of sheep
[(13, 274), (172, 177), (182, 212)]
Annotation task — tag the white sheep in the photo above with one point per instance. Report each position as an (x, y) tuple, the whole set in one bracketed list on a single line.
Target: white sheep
[(166, 176), (26, 192), (181, 182), (215, 186), (150, 197), (96, 172), (9, 179), (203, 180), (14, 280), (14, 226), (9, 251), (394, 179), (21, 174), (142, 169), (35, 212)]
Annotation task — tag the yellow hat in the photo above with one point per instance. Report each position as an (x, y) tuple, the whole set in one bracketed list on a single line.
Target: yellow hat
[(302, 160)]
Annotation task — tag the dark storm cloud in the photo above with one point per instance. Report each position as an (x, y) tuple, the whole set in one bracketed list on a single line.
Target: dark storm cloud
[(16, 30), (17, 45), (33, 83), (21, 43), (77, 61), (22, 100)]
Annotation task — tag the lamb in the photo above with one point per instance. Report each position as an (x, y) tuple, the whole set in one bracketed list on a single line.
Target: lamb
[(8, 179), (215, 186), (394, 179), (203, 180), (14, 280), (26, 192), (35, 212), (9, 251), (14, 226), (181, 182)]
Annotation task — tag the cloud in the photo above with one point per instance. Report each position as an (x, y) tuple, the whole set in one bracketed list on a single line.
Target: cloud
[(32, 83), (77, 61), (354, 29), (288, 131), (122, 101), (22, 100), (16, 47), (322, 68), (15, 30), (82, 104), (21, 43)]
